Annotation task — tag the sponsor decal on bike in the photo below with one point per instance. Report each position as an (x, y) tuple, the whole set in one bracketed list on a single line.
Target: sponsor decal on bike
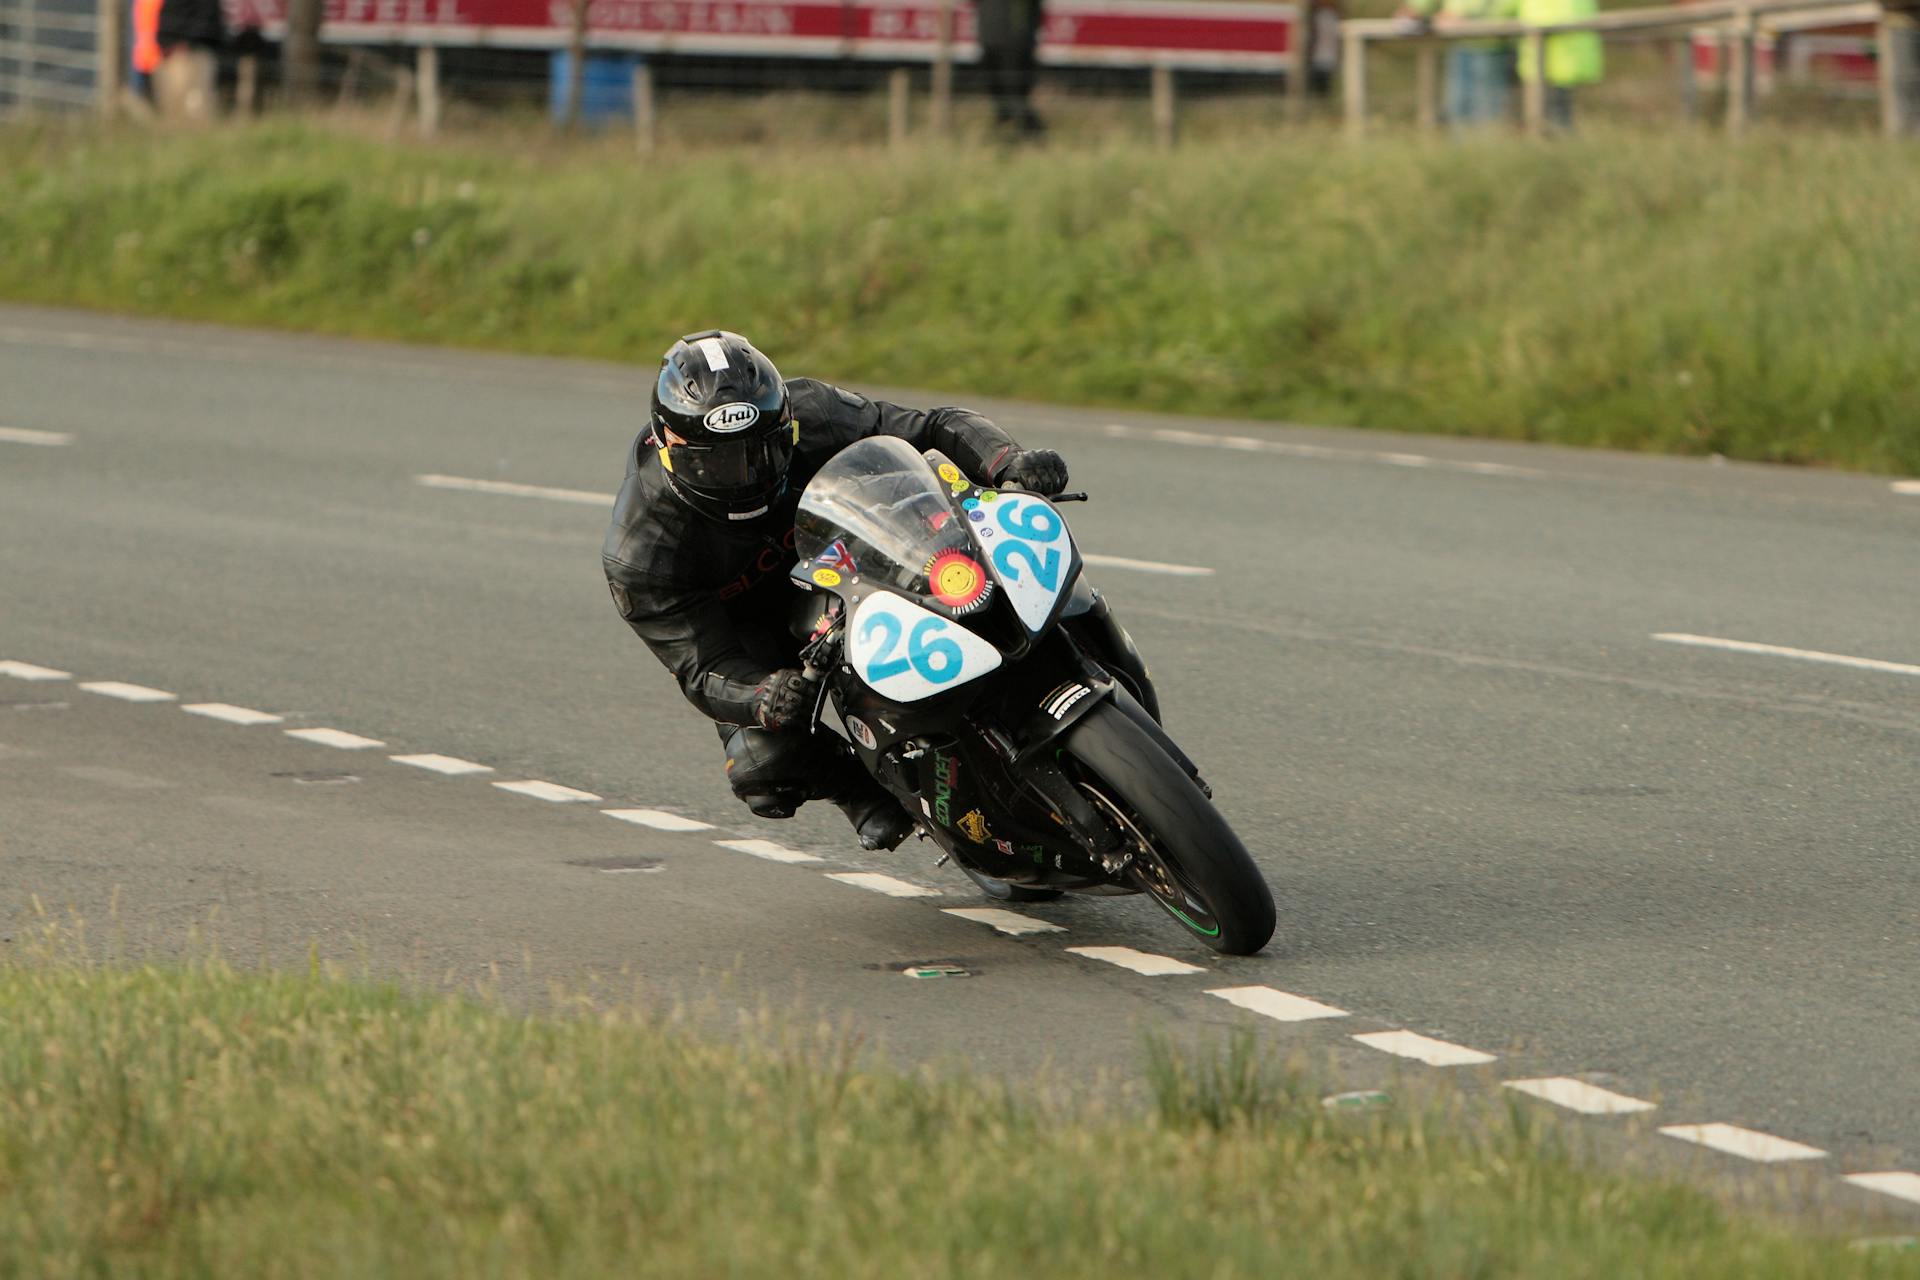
[(826, 578), (728, 418), (958, 581), (859, 728), (973, 825), (949, 472), (1065, 698), (946, 777)]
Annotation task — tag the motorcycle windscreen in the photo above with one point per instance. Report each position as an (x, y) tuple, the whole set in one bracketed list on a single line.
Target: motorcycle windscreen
[(1030, 550), (877, 512), (905, 653)]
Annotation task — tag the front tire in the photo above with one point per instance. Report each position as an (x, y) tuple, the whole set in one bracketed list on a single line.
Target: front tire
[(1185, 856)]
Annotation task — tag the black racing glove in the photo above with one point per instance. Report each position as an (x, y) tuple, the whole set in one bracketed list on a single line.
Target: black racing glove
[(1041, 471), (783, 699)]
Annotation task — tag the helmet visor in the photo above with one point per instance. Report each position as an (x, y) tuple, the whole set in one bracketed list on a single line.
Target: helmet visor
[(734, 467)]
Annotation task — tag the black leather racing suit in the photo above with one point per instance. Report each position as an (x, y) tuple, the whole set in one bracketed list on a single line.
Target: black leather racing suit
[(712, 598)]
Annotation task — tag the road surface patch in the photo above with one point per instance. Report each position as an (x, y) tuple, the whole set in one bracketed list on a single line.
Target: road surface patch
[(231, 714), (658, 819), (335, 738), (27, 671), (1435, 1053), (1011, 923), (1782, 651), (768, 849), (124, 779), (882, 884), (1578, 1095), (1138, 961), (442, 764), (20, 435), (550, 791), (1748, 1144), (1279, 1005), (1903, 1186), (126, 692)]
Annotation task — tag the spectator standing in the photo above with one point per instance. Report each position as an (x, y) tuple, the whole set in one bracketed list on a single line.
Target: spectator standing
[(1903, 19), (1323, 51), (190, 35), (1009, 34), (1479, 72), (1573, 58)]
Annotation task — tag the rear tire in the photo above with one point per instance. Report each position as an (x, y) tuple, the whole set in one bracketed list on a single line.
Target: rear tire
[(1207, 871), (1003, 891)]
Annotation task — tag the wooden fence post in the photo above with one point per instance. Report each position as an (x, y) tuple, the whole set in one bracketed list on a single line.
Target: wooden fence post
[(1739, 73), (1164, 122), (645, 128), (940, 117), (899, 87), (1689, 81), (1299, 59), (427, 86), (109, 57), (246, 85), (1894, 70), (1353, 82), (1426, 85), (1533, 95)]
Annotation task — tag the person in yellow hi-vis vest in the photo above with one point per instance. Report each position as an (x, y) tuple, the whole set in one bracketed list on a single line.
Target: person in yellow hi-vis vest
[(1479, 72), (1573, 59)]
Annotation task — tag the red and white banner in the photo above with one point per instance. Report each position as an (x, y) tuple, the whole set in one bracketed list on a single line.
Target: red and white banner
[(1204, 34)]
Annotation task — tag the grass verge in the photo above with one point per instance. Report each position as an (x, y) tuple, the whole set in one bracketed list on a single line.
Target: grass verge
[(202, 1121), (1673, 293)]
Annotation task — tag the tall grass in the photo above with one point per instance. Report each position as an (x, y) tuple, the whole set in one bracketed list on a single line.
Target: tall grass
[(1675, 292), (201, 1121)]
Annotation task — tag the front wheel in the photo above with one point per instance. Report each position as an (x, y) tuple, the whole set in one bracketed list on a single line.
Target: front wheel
[(1184, 855)]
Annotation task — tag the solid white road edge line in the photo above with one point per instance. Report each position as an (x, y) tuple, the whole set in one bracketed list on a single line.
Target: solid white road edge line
[(1904, 1186), (442, 764), (1435, 1053), (468, 484), (27, 671), (551, 791), (1011, 923), (882, 884), (20, 435), (767, 849), (231, 714), (1748, 1144), (335, 738), (657, 819), (1138, 961), (1279, 1005), (126, 692), (1578, 1095), (509, 489), (1781, 651)]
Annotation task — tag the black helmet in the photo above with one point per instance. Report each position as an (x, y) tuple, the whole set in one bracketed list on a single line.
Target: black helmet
[(721, 422)]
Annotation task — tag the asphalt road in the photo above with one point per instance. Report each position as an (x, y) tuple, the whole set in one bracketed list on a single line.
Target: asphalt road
[(1422, 678)]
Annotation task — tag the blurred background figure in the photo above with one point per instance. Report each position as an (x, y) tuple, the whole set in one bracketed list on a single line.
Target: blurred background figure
[(146, 46), (1903, 17), (190, 34), (1572, 59), (1323, 55), (1479, 77), (1009, 32)]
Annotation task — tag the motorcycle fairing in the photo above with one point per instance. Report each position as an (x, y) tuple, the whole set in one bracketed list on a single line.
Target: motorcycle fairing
[(906, 653)]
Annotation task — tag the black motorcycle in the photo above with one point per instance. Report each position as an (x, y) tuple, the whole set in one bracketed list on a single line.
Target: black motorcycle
[(985, 684)]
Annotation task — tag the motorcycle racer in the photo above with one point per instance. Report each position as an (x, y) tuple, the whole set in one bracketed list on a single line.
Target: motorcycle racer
[(702, 537)]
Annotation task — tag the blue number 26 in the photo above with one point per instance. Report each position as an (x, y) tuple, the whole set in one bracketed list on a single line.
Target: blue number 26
[(935, 658)]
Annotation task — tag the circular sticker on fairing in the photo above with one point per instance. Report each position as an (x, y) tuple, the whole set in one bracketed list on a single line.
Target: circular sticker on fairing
[(957, 580), (862, 732), (949, 472), (826, 578)]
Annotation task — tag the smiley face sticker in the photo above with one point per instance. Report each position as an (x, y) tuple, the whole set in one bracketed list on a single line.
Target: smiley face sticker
[(957, 580)]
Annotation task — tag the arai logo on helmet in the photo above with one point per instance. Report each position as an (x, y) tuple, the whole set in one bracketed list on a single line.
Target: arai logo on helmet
[(737, 416)]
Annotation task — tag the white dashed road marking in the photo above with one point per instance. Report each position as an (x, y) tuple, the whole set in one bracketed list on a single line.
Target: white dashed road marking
[(1578, 1095), (1138, 961), (1435, 1053), (1906, 486), (882, 884), (1904, 1186), (126, 692), (511, 490), (231, 714), (1011, 923), (1275, 1004), (767, 849), (1287, 448), (27, 671), (1748, 1144), (442, 764), (1147, 566), (335, 738), (20, 435), (657, 819), (547, 791), (1781, 651)]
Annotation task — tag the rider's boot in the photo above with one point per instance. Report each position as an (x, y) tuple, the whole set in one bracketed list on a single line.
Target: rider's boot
[(878, 819)]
